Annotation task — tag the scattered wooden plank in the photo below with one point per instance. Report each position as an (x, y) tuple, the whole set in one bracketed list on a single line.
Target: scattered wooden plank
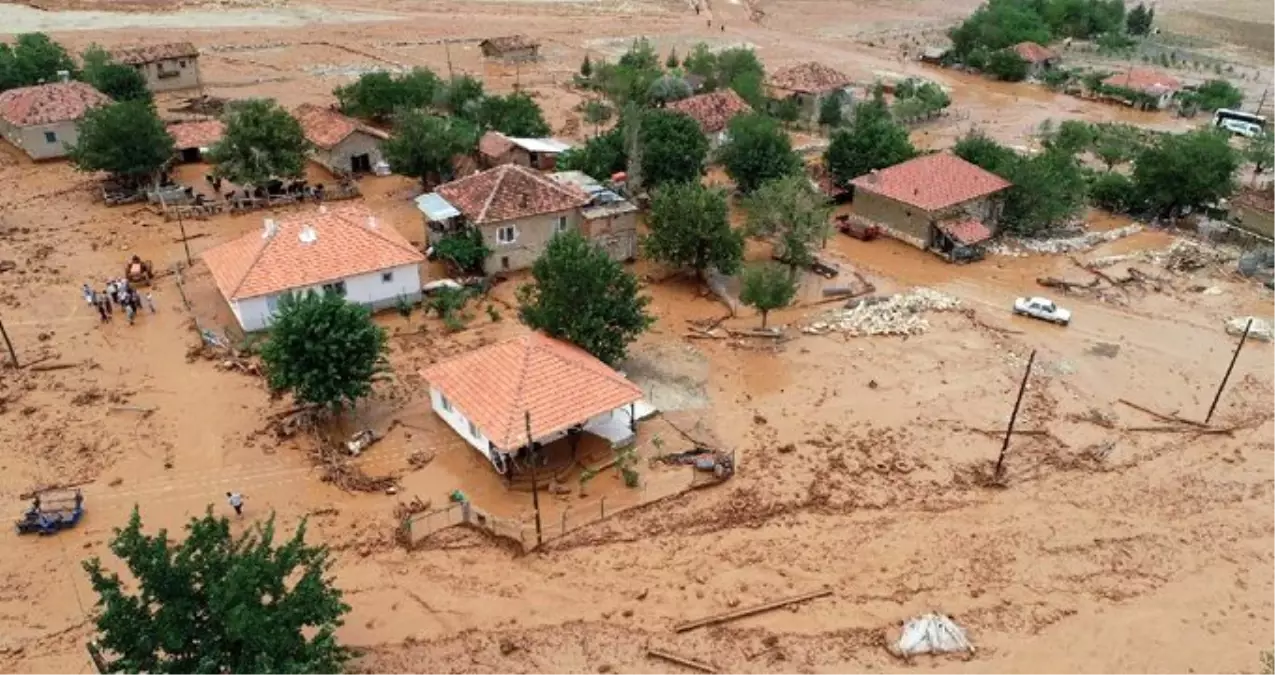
[(145, 411), (682, 660), (756, 332), (749, 611), (189, 237), (1181, 430), (45, 367), (1017, 432), (1160, 415), (704, 336), (42, 359)]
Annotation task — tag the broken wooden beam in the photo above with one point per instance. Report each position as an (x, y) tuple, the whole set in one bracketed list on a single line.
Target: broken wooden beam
[(749, 611), (1160, 415), (681, 660), (44, 367), (133, 408), (756, 332)]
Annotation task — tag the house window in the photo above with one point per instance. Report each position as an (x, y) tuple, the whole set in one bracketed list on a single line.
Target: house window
[(181, 64), (444, 403), (387, 277), (272, 304), (338, 288), (50, 137), (561, 225), (507, 234), (473, 430)]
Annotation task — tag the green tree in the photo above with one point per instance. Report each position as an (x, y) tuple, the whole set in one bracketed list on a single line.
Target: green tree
[(766, 287), (378, 95), (758, 150), (514, 115), (1115, 144), (830, 111), (872, 141), (37, 58), (792, 212), (673, 148), (736, 62), (671, 62), (1007, 65), (1071, 137), (640, 56), (586, 67), (1138, 21), (262, 142), (10, 77), (666, 89), (466, 250), (1112, 191), (118, 81), (584, 297), (126, 140), (750, 87), (996, 25), (600, 156), (690, 229), (597, 113), (702, 62), (1260, 152), (423, 145), (1048, 191), (976, 148), (217, 603), (460, 96), (323, 349), (1213, 95), (1185, 170)]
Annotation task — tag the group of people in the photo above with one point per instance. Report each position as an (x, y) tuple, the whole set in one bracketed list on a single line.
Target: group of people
[(118, 292)]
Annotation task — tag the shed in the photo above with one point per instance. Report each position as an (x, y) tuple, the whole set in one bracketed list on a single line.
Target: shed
[(516, 47)]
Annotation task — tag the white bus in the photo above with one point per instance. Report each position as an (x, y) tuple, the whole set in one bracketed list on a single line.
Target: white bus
[(1239, 122)]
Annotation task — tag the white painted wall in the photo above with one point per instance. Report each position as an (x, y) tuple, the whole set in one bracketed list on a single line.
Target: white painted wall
[(371, 289), (458, 422)]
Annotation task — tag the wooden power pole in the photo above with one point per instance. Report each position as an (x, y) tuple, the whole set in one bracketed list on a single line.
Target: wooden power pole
[(535, 488), (1000, 461), (13, 356), (1234, 357)]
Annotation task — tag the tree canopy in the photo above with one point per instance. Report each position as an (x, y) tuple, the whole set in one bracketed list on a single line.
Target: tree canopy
[(600, 156), (423, 145), (116, 80), (872, 141), (217, 603), (323, 349), (1007, 65), (460, 96), (1212, 95), (1260, 151), (33, 58), (998, 24), (1139, 19), (758, 150), (1048, 189), (584, 297), (1185, 170), (1115, 144), (794, 214), (378, 95), (515, 115), (126, 140), (262, 142), (673, 148), (690, 229), (668, 88), (766, 287)]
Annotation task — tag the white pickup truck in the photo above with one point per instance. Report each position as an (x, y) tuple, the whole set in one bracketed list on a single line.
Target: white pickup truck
[(1043, 309)]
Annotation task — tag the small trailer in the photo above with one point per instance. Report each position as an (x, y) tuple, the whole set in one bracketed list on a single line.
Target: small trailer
[(855, 228), (51, 511)]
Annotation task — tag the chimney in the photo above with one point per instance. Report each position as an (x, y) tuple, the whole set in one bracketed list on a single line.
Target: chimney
[(308, 235), (271, 229), (64, 76), (371, 223)]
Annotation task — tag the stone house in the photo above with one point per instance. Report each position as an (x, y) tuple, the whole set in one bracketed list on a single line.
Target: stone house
[(713, 112), (167, 67), (44, 119), (344, 250), (937, 202), (495, 148), (608, 220), (341, 144), (516, 209), (510, 48), (192, 139), (1038, 58), (1160, 86), (809, 84)]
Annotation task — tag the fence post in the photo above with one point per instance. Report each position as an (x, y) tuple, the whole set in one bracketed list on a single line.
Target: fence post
[(603, 506), (564, 521)]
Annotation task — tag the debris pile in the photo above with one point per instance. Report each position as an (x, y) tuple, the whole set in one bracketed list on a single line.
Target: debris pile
[(893, 315), (931, 634), (1073, 244), (1261, 330), (1258, 263), (1184, 255)]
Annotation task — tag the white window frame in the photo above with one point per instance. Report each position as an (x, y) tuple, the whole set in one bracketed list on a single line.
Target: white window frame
[(560, 225), (500, 234)]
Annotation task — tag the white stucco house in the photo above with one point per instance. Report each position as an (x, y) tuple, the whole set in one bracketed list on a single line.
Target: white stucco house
[(485, 395), (341, 144), (343, 250), (44, 120)]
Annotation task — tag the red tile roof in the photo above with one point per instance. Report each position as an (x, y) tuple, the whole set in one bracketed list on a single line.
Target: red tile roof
[(346, 242), (932, 182), (808, 78), (713, 111), (1144, 79), (325, 127), (966, 231), (494, 144), (510, 191), (150, 53), (196, 134), (49, 103), (1033, 53), (560, 384)]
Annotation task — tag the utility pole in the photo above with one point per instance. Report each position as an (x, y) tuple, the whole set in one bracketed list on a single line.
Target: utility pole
[(447, 45), (1262, 102), (1234, 357), (1000, 461), (12, 354), (535, 488), (185, 243)]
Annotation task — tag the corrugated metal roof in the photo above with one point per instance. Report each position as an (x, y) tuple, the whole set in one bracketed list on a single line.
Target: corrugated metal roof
[(435, 207), (540, 144)]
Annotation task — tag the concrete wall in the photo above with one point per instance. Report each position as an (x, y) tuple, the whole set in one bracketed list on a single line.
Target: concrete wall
[(915, 225), (617, 235), (337, 160), (186, 69), (32, 140), (455, 418), (369, 289), (1253, 219), (532, 236)]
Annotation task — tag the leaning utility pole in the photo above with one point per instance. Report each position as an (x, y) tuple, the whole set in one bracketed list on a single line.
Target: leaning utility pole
[(535, 489), (1000, 461), (1234, 357), (12, 354)]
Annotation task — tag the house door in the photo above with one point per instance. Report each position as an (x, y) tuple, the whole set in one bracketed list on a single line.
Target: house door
[(190, 155), (361, 163)]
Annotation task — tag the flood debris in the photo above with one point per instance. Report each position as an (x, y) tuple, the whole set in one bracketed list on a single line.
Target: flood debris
[(1261, 329), (899, 314), (749, 611), (1066, 244), (931, 634)]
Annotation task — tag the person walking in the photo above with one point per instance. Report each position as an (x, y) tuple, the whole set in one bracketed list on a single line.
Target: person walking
[(131, 311), (150, 302), (236, 502), (101, 309), (88, 294)]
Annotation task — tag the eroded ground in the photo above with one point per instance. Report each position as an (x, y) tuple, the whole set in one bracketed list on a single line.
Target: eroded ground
[(862, 461)]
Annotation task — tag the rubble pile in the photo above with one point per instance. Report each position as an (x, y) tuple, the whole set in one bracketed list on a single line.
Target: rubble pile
[(1073, 244), (1260, 330), (893, 315), (1184, 255)]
